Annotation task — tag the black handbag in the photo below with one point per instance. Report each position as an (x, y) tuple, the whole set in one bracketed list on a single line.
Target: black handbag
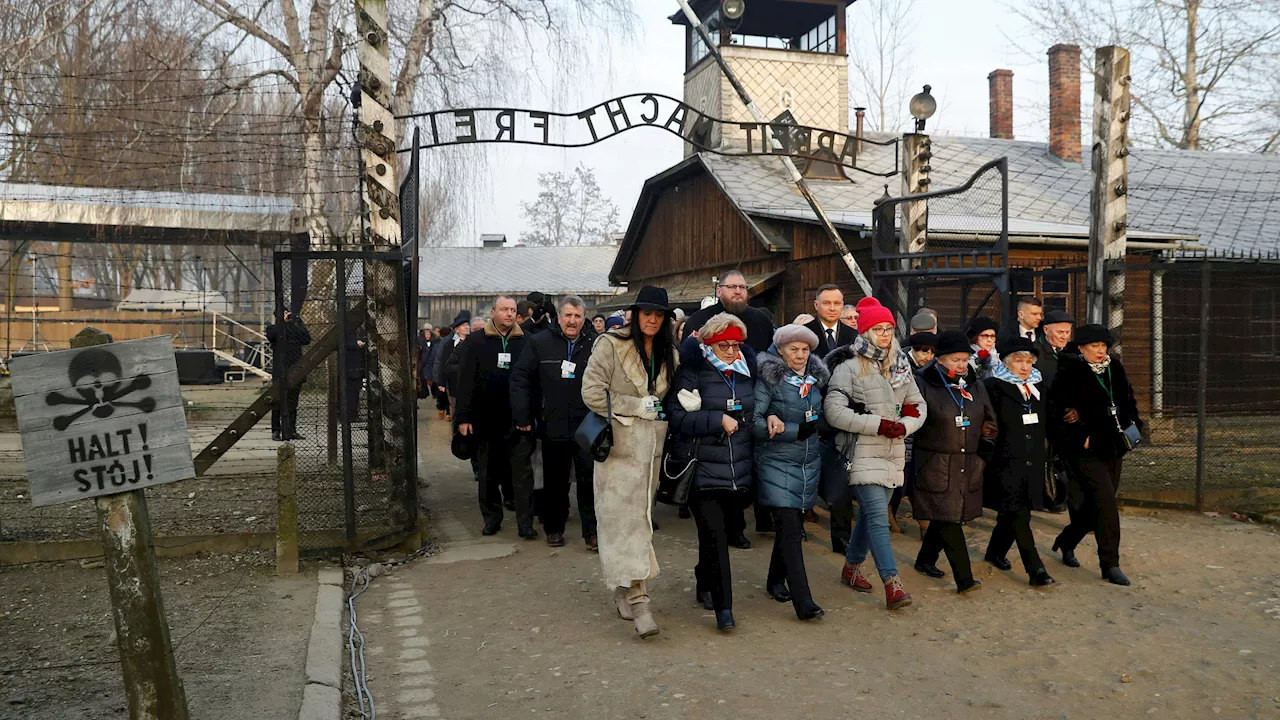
[(595, 433), (678, 468)]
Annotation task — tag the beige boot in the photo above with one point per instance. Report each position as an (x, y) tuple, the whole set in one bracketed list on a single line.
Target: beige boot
[(638, 597), (620, 601)]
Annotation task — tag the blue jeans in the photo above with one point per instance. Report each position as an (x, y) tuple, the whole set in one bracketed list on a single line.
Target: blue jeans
[(872, 529)]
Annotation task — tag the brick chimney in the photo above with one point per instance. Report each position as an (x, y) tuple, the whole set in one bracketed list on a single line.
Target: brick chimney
[(1001, 83), (1064, 102)]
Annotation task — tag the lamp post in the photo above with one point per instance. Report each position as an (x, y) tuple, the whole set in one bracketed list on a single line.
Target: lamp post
[(922, 107)]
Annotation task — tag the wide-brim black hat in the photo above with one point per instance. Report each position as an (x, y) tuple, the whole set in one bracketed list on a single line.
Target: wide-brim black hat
[(1053, 317), (651, 298), (1093, 333), (952, 341), (979, 325), (922, 339), (1017, 344), (463, 446), (463, 318)]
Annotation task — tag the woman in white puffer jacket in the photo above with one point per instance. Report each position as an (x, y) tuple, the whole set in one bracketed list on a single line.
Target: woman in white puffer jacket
[(873, 396)]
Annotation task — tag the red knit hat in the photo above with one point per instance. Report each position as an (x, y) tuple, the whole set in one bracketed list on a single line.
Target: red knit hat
[(732, 332), (873, 315), (867, 302)]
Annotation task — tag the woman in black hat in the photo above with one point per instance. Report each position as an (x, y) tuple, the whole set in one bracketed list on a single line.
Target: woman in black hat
[(948, 482), (1014, 478), (982, 333), (631, 369), (1093, 389)]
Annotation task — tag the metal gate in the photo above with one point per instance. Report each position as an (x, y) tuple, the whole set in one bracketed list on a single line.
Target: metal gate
[(951, 253), (347, 397)]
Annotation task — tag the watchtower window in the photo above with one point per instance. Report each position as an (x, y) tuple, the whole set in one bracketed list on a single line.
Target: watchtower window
[(815, 26), (821, 39)]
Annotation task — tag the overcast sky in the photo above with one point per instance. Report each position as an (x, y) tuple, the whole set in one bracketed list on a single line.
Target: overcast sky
[(954, 46)]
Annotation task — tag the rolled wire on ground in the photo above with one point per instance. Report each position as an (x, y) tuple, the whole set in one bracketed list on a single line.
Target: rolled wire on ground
[(363, 576)]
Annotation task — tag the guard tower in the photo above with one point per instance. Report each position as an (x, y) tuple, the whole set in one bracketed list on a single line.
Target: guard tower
[(791, 55)]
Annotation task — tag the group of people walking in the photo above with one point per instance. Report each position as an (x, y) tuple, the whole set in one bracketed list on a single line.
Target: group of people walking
[(955, 421)]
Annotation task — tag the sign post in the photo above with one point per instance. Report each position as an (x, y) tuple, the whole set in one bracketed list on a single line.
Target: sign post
[(105, 420)]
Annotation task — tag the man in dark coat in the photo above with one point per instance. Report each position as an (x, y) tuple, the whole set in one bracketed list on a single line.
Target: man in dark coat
[(461, 327), (832, 334), (484, 408), (1055, 333), (356, 349), (1030, 314), (538, 313), (425, 342), (732, 294), (546, 399), (287, 340)]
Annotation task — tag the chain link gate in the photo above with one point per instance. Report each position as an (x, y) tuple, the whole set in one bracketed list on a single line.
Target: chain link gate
[(352, 416), (955, 259)]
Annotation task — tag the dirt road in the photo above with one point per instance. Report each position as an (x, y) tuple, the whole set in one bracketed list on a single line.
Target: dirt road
[(530, 630)]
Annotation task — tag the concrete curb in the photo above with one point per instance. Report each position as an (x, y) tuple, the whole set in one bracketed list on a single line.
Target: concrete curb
[(322, 696)]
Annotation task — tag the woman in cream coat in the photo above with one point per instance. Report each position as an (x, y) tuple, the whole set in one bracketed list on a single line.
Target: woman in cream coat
[(631, 368)]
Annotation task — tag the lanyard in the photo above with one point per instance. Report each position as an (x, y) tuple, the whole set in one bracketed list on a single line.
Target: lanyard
[(947, 384), (732, 381), (569, 345), (1106, 385), (504, 342)]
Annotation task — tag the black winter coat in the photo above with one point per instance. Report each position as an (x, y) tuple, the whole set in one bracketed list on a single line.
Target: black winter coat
[(483, 390), (540, 394), (287, 341), (1015, 474), (948, 479), (1078, 387), (440, 370), (1048, 365), (724, 461), (759, 327)]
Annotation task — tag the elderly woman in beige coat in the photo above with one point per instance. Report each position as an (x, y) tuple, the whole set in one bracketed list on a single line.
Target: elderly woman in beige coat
[(630, 371)]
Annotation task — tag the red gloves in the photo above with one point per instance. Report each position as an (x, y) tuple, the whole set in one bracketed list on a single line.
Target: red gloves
[(891, 429), (910, 411), (984, 355)]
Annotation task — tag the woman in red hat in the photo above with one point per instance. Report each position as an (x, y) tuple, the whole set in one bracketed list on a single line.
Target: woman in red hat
[(873, 396), (712, 406)]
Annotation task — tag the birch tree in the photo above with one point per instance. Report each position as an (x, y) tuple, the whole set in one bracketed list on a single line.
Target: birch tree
[(1203, 70), (881, 76)]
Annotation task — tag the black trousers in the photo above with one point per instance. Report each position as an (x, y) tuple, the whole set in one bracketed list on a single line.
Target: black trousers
[(558, 458), (1097, 512), (841, 526), (1015, 526), (506, 460), (278, 422), (710, 512), (354, 386), (787, 562), (948, 537)]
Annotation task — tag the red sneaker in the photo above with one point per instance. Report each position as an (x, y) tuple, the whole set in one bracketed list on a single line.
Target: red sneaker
[(852, 576), (894, 596)]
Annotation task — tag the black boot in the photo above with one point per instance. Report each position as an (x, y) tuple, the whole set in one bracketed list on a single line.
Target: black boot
[(778, 591), (1040, 578), (1001, 563), (1115, 576), (704, 597), (740, 541), (808, 610), (968, 586), (1068, 555), (724, 619), (929, 569)]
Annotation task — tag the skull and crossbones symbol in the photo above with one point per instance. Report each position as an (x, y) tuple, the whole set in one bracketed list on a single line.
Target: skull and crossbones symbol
[(95, 375)]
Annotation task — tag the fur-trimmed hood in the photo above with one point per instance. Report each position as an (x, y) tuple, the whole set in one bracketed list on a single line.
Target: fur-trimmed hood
[(771, 368), (839, 355), (691, 355)]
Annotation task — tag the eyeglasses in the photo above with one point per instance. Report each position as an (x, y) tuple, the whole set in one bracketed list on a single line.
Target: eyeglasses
[(726, 346), (883, 332), (733, 287), (988, 335)]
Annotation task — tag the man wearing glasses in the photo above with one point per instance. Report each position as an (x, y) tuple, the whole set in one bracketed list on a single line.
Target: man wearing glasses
[(732, 293)]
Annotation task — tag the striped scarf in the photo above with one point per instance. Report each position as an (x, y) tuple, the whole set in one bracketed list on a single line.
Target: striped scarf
[(804, 384), (1002, 372), (739, 366)]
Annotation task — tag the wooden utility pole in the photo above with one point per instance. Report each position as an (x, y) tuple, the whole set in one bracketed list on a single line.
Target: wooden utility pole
[(375, 128), (151, 681), (1108, 202)]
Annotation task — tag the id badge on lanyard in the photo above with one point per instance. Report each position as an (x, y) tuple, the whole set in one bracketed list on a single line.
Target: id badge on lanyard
[(732, 404), (962, 421), (811, 415), (504, 361)]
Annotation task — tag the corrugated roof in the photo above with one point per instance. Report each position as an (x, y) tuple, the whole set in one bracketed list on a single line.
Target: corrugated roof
[(554, 270), (1229, 201)]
